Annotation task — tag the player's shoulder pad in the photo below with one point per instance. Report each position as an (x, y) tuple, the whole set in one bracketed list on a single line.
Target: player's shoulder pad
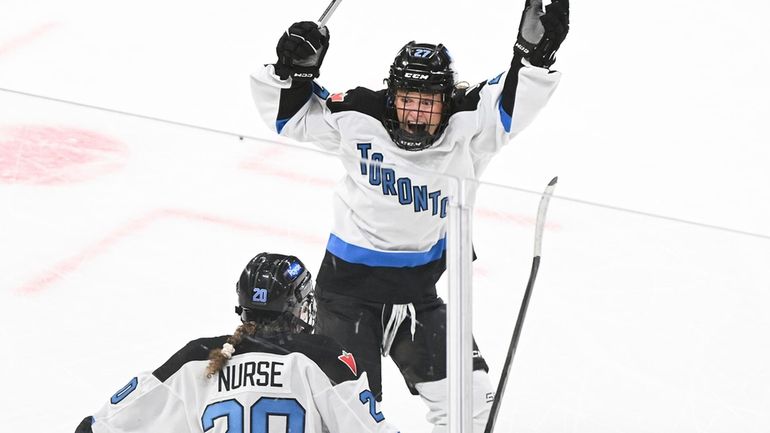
[(338, 364), (196, 350), (361, 100), (467, 99)]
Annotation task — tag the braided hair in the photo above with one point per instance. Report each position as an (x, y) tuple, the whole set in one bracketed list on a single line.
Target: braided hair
[(263, 326)]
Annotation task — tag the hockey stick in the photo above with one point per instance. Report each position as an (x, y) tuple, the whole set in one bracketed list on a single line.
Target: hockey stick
[(328, 12), (302, 65), (539, 225)]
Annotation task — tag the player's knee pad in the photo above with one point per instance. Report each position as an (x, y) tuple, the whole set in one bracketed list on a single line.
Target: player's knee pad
[(436, 397)]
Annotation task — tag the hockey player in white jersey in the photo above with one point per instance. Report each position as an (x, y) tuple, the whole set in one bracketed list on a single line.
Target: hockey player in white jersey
[(270, 375), (377, 283)]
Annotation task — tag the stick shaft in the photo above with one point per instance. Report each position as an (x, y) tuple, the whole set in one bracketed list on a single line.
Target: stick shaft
[(539, 227), (328, 12)]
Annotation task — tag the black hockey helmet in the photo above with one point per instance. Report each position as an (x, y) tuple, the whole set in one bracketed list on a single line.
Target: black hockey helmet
[(273, 286), (425, 68)]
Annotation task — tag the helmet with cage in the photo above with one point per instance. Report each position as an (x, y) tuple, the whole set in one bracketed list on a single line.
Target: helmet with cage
[(276, 286), (420, 87)]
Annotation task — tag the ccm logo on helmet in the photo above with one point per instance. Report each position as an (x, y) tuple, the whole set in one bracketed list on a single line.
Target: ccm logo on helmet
[(416, 76)]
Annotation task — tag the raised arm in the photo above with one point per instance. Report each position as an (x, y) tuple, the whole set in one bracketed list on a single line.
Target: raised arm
[(541, 32), (287, 98), (511, 101), (301, 50)]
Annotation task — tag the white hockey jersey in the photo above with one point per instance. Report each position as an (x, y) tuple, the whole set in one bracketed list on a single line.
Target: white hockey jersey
[(299, 383), (390, 209)]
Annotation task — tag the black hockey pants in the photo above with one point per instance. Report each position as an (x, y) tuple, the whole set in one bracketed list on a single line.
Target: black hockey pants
[(358, 325)]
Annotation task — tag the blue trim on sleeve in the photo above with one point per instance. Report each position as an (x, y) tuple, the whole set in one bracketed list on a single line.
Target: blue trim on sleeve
[(363, 256), (280, 123), (504, 117), (496, 79), (320, 91)]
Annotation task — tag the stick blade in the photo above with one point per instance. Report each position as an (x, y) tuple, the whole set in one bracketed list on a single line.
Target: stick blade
[(541, 211)]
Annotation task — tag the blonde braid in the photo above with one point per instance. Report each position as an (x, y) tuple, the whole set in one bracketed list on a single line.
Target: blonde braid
[(218, 357)]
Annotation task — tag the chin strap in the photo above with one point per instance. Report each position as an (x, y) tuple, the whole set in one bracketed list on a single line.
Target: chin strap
[(397, 316)]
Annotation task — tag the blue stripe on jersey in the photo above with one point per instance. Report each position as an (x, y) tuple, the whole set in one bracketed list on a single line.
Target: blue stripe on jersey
[(363, 256), (496, 79), (504, 117), (320, 91), (280, 123)]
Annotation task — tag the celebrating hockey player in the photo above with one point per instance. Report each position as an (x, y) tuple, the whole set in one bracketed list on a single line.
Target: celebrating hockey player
[(377, 283), (270, 371)]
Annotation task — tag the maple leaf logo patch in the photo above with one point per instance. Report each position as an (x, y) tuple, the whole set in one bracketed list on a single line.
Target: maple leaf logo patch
[(350, 361), (338, 97)]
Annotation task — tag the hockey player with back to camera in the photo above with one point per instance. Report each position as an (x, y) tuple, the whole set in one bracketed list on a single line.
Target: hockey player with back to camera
[(377, 283), (271, 372)]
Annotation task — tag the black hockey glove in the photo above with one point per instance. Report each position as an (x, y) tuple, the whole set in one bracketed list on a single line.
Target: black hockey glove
[(301, 51), (541, 34)]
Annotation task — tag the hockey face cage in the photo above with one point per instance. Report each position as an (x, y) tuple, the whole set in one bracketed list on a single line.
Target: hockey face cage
[(274, 285), (420, 76)]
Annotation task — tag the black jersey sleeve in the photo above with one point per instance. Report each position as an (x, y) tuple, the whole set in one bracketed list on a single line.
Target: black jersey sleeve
[(292, 99), (508, 97)]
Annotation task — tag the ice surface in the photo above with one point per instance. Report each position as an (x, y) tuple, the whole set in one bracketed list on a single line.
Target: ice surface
[(121, 237)]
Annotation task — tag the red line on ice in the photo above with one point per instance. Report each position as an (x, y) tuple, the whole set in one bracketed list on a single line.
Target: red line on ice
[(70, 264), (26, 38), (271, 170), (49, 155)]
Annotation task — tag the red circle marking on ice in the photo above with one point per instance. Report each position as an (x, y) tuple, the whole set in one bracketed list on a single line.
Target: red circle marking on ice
[(48, 155)]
